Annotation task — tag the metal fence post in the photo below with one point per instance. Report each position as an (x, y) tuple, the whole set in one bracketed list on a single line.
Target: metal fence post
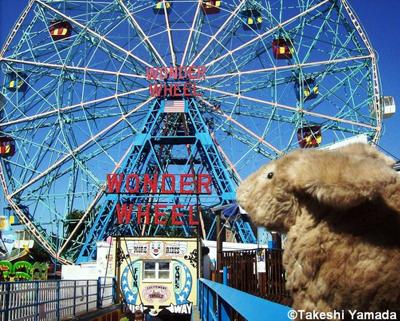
[(210, 304), (114, 290), (74, 306), (58, 300), (37, 301), (198, 300), (204, 315), (7, 302), (87, 295), (225, 275), (98, 305), (223, 310)]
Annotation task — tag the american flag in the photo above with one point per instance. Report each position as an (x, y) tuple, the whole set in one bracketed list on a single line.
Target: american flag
[(174, 106)]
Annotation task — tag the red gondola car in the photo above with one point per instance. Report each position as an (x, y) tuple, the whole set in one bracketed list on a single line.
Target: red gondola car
[(211, 6), (309, 136), (282, 48), (7, 146), (60, 30)]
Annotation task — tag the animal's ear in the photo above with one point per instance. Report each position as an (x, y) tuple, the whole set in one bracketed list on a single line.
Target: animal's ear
[(366, 150), (338, 179)]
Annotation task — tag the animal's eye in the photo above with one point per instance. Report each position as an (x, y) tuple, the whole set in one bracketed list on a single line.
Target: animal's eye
[(270, 175)]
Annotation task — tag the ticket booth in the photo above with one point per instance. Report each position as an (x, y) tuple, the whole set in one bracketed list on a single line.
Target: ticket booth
[(158, 275)]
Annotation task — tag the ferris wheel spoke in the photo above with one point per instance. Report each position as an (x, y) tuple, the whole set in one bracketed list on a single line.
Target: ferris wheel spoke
[(215, 35), (79, 148), (282, 106), (142, 34), (90, 208), (248, 140), (226, 158), (192, 29), (257, 100), (248, 55), (81, 162), (241, 126), (268, 32), (222, 43), (57, 51), (332, 92), (35, 52), (287, 67), (38, 152), (43, 96), (62, 67), (94, 33), (317, 36), (257, 111), (170, 40), (252, 147), (70, 108)]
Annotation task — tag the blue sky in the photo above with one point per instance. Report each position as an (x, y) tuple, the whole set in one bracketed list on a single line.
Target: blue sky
[(381, 22)]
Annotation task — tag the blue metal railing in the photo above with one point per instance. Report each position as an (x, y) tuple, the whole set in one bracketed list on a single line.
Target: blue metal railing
[(53, 300), (217, 302)]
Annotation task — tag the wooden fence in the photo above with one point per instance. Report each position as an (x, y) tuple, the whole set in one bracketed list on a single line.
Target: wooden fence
[(259, 272)]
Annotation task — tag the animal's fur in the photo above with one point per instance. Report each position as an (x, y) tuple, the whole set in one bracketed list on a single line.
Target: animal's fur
[(341, 212)]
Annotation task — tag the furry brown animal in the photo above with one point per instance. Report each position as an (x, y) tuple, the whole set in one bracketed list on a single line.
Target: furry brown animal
[(341, 212)]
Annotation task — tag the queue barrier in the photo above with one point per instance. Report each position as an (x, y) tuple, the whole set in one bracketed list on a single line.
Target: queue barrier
[(219, 302), (54, 300)]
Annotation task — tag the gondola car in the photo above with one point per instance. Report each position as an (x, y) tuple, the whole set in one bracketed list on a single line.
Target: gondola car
[(60, 30), (309, 136), (282, 48), (211, 6)]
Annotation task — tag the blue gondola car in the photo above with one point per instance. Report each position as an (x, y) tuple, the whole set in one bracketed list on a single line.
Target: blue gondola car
[(310, 90), (159, 6), (253, 19), (16, 81)]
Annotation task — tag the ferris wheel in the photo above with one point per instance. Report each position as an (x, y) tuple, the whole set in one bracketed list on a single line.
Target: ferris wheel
[(272, 76)]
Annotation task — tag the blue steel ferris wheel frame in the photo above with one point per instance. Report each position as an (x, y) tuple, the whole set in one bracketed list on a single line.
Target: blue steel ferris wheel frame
[(84, 103)]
